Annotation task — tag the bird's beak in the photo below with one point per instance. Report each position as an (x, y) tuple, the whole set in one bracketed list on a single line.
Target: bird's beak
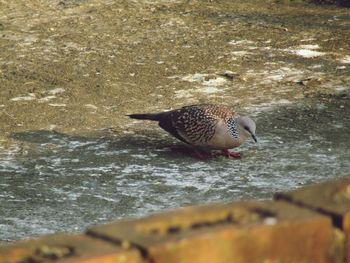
[(254, 137)]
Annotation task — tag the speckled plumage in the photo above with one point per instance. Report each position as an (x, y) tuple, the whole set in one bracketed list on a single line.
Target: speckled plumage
[(204, 125)]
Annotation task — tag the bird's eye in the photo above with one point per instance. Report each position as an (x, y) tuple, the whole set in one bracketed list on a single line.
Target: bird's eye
[(245, 127)]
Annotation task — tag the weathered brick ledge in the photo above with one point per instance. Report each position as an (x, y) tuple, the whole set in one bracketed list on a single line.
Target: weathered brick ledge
[(309, 225)]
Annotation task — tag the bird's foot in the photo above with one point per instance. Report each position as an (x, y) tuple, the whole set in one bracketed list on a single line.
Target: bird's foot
[(230, 154)]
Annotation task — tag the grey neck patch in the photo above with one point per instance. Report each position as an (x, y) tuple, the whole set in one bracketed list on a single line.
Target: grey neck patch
[(232, 127)]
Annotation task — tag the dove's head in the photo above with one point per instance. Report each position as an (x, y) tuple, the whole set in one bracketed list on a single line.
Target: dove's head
[(247, 127)]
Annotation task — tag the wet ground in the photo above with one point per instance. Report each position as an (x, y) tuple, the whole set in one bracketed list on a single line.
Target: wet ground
[(71, 70), (52, 181)]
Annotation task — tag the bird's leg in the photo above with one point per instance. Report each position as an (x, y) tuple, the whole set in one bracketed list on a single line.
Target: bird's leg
[(229, 154)]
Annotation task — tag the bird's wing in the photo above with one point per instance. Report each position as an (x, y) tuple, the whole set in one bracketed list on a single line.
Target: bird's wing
[(166, 122), (194, 125)]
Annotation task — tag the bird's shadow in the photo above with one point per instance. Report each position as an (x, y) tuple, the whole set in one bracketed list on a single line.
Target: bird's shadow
[(137, 143)]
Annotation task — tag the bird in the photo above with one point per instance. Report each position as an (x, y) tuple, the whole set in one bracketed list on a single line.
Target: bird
[(205, 127)]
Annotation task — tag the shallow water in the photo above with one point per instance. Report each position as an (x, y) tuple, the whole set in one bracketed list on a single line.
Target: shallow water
[(52, 182)]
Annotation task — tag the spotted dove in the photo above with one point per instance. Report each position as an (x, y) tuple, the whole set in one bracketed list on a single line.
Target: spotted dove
[(205, 126)]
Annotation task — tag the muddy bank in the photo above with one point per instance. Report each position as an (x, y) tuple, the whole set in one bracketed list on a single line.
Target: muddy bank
[(75, 66), (71, 70)]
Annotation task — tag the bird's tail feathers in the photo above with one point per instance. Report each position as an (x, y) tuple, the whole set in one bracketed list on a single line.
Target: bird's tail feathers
[(145, 116)]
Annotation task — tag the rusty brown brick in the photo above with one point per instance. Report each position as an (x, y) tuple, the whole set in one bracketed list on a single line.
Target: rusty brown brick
[(330, 198), (67, 249), (246, 232)]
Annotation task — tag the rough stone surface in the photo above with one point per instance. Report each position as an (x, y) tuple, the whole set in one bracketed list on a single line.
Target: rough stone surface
[(240, 232), (330, 198), (67, 249)]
